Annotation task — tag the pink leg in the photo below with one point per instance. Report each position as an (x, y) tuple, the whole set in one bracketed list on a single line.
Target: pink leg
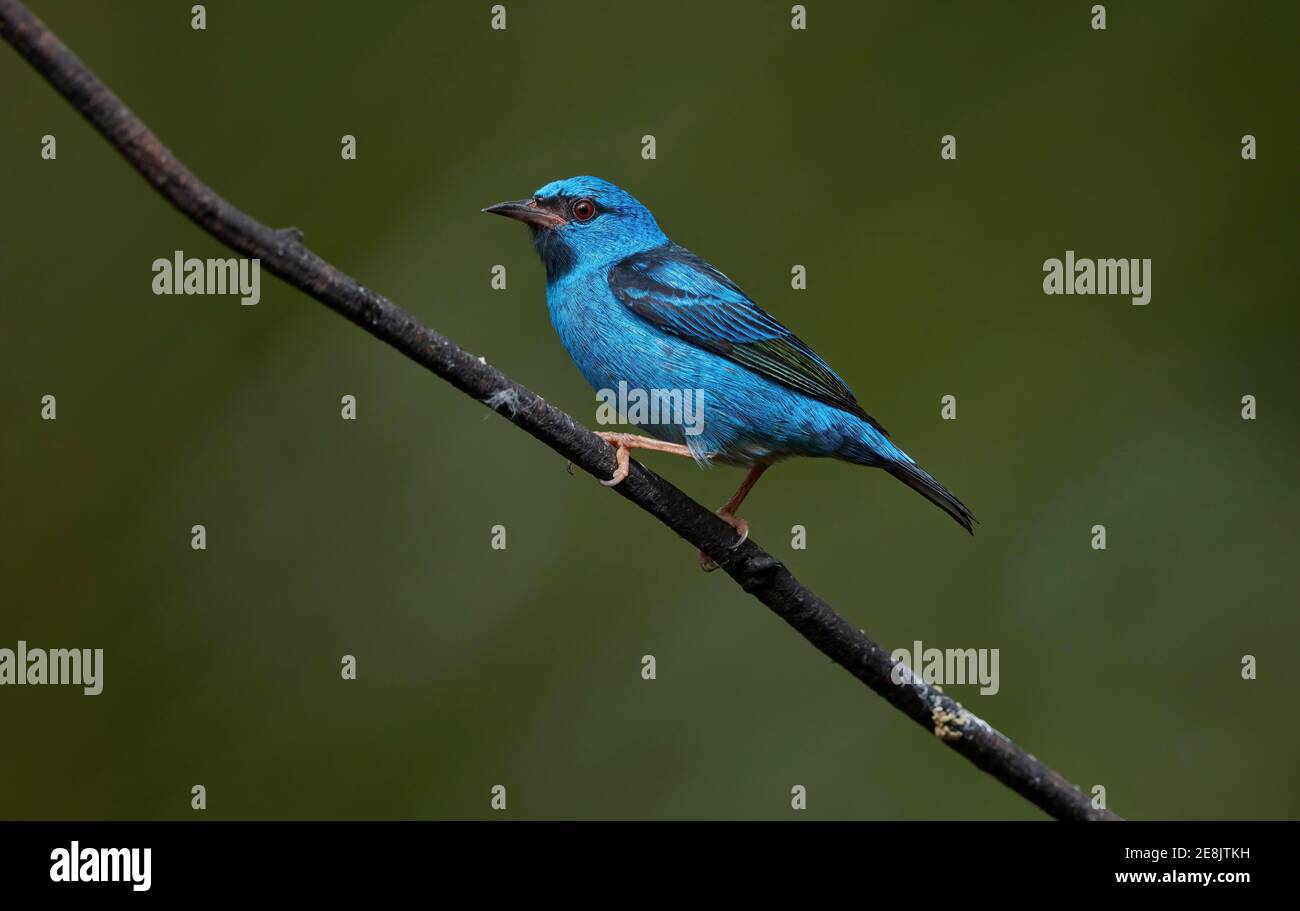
[(623, 442), (728, 513)]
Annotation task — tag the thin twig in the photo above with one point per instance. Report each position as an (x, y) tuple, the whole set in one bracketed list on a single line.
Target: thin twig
[(756, 571)]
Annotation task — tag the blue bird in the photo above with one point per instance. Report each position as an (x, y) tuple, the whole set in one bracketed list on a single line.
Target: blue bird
[(631, 307)]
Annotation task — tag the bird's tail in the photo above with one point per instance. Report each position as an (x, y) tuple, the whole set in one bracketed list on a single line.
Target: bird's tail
[(920, 481)]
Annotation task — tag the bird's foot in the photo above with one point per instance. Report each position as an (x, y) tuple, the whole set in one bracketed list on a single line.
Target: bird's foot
[(624, 443), (621, 457), (739, 524)]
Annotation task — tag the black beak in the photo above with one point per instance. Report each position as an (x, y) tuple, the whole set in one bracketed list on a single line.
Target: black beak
[(527, 211)]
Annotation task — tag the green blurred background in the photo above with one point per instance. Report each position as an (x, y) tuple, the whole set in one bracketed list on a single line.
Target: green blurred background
[(522, 667)]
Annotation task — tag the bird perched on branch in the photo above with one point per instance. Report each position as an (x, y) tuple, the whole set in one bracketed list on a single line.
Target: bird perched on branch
[(636, 311)]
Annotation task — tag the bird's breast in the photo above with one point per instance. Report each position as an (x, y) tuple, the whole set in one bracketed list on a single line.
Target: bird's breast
[(598, 332)]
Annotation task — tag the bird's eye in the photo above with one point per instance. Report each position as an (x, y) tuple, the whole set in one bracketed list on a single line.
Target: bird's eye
[(584, 210)]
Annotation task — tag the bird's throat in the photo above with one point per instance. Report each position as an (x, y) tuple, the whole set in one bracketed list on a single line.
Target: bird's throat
[(557, 256)]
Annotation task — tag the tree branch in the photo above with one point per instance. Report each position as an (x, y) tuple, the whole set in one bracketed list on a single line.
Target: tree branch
[(756, 571)]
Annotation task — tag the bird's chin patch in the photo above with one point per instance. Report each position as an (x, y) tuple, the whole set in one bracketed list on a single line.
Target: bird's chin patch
[(556, 255)]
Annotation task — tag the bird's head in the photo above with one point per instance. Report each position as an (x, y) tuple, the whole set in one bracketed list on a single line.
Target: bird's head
[(583, 221)]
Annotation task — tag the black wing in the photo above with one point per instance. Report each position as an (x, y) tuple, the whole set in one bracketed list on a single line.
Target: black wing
[(677, 292)]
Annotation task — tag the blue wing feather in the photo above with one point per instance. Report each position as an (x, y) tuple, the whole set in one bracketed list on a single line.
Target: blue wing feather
[(677, 292)]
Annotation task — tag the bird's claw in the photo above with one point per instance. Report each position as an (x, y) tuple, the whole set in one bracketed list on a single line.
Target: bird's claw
[(744, 533), (740, 525), (621, 459)]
